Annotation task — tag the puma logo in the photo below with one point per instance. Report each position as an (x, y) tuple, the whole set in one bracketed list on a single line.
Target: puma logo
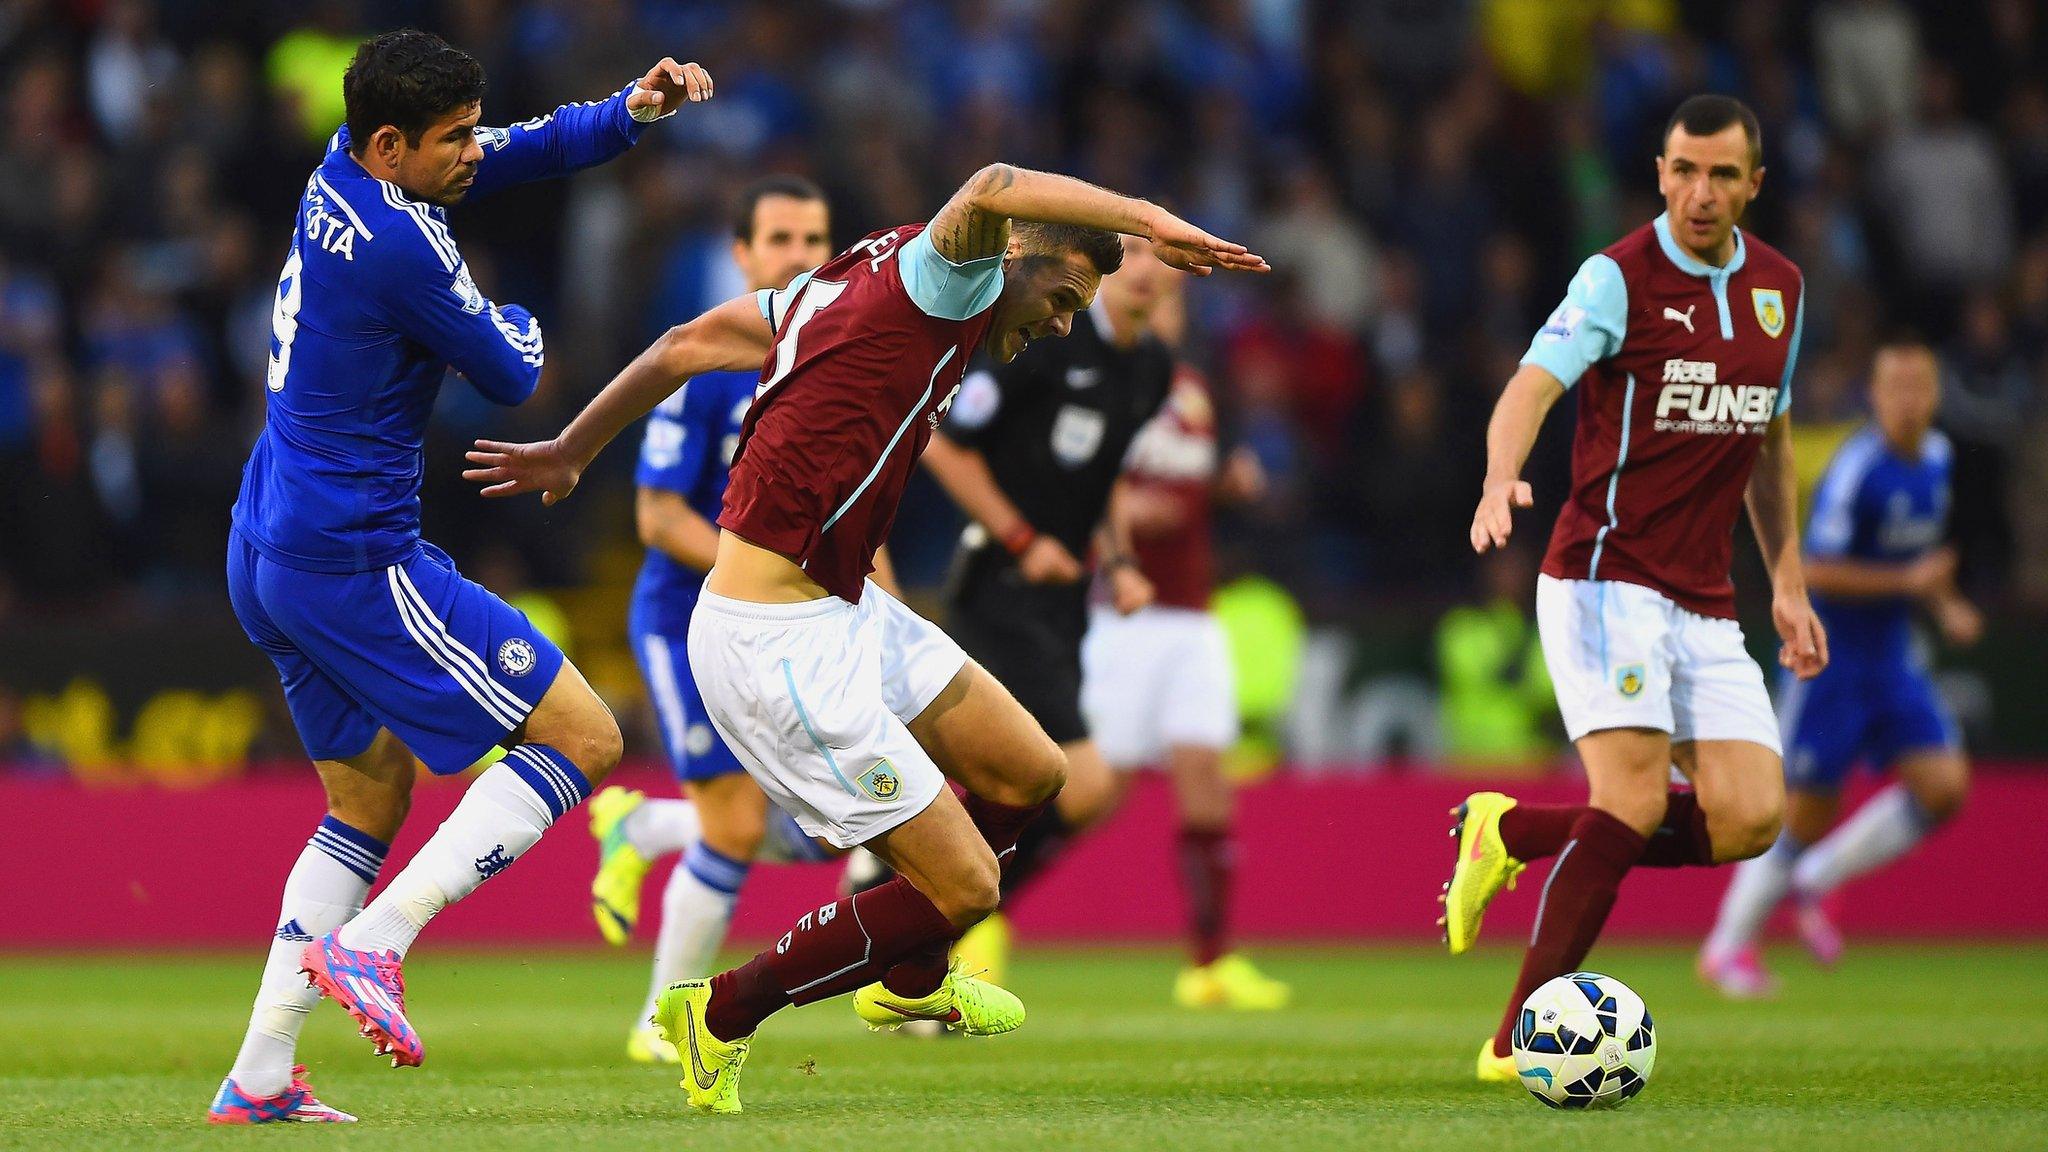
[(1684, 317)]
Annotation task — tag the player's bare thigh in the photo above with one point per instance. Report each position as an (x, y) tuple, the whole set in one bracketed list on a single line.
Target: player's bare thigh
[(1741, 788), (1939, 779), (981, 738), (734, 812), (372, 791), (1628, 771), (573, 721)]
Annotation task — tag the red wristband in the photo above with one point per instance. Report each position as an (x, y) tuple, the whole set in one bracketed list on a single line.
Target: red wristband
[(1018, 538)]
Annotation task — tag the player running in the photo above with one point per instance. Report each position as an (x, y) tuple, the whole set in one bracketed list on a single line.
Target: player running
[(1684, 333), (385, 651), (1873, 554), (780, 228), (1156, 684), (850, 710)]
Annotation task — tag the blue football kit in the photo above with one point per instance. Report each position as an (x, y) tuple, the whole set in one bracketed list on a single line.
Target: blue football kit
[(687, 449), (1876, 700), (370, 626)]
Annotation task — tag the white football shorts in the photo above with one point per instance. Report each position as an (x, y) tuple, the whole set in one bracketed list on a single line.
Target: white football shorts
[(1625, 656), (1156, 679), (815, 699)]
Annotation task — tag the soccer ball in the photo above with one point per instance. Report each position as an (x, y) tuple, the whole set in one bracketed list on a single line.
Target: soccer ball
[(1584, 1041)]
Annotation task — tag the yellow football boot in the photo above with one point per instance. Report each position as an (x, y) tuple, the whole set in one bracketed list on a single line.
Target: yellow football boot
[(1484, 868), (615, 891), (985, 949), (711, 1067), (645, 1046), (962, 1003), (1496, 1069), (1232, 981)]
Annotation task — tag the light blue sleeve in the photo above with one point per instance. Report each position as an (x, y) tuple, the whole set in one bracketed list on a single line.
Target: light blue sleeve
[(774, 302), (944, 289), (1587, 327), (1832, 527), (1791, 354)]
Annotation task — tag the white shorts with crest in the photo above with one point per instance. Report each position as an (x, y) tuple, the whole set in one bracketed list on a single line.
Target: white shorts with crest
[(1625, 656), (815, 699)]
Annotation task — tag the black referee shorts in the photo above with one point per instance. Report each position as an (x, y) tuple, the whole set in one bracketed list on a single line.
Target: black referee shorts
[(1028, 636)]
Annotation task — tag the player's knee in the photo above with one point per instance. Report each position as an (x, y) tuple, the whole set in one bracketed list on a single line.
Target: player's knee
[(596, 747), (1747, 828), (1041, 777), (1941, 798), (973, 895)]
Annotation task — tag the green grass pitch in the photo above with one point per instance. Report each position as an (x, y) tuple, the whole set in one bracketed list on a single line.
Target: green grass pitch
[(1902, 1048)]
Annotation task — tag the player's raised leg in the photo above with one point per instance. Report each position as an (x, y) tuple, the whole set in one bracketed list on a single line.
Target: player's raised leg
[(367, 798), (553, 757)]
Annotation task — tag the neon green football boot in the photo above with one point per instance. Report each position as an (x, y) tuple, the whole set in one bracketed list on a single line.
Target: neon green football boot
[(644, 1045), (962, 1003), (711, 1067), (615, 890), (1484, 868), (1232, 981), (1496, 1069)]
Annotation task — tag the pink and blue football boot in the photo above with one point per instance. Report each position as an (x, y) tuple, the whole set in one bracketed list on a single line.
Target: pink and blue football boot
[(295, 1105), (371, 988)]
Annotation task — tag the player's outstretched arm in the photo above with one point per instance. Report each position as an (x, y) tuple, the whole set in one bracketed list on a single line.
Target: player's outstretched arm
[(1510, 434), (975, 223), (1773, 500), (578, 136), (730, 338)]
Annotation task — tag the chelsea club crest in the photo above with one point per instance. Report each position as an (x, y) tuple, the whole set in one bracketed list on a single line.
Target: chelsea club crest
[(517, 657)]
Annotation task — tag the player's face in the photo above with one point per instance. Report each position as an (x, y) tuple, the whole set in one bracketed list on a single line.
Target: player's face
[(790, 236), (1039, 300), (1905, 390), (1707, 181), (442, 166), (1141, 284)]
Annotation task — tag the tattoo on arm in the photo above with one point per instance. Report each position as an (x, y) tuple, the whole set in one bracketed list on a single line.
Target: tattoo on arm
[(963, 232)]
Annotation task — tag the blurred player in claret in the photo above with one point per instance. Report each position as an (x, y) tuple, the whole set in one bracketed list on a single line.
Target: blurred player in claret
[(1157, 686), (847, 708), (386, 652), (781, 227), (1874, 556), (1681, 340)]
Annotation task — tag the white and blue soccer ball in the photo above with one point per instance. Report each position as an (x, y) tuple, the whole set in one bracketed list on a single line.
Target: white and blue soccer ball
[(1584, 1041)]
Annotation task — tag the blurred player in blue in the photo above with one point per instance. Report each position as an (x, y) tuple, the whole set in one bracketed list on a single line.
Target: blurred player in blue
[(385, 651), (1874, 555), (781, 227)]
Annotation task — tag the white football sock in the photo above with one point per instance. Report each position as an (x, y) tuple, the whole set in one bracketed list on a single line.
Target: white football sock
[(696, 911), (659, 827), (324, 889), (1758, 886), (503, 814), (1880, 832)]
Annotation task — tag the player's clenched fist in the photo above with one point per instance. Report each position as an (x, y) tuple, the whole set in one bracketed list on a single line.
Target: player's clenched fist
[(666, 86), (1804, 642), (1495, 520)]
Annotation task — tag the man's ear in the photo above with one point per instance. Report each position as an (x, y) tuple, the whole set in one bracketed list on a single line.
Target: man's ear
[(1014, 249), (387, 144)]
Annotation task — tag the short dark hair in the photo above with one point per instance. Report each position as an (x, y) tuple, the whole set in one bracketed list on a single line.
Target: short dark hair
[(750, 197), (408, 79), (1104, 249), (1708, 113)]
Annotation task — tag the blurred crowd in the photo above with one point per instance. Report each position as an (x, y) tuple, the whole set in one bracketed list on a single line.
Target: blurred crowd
[(1424, 176)]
